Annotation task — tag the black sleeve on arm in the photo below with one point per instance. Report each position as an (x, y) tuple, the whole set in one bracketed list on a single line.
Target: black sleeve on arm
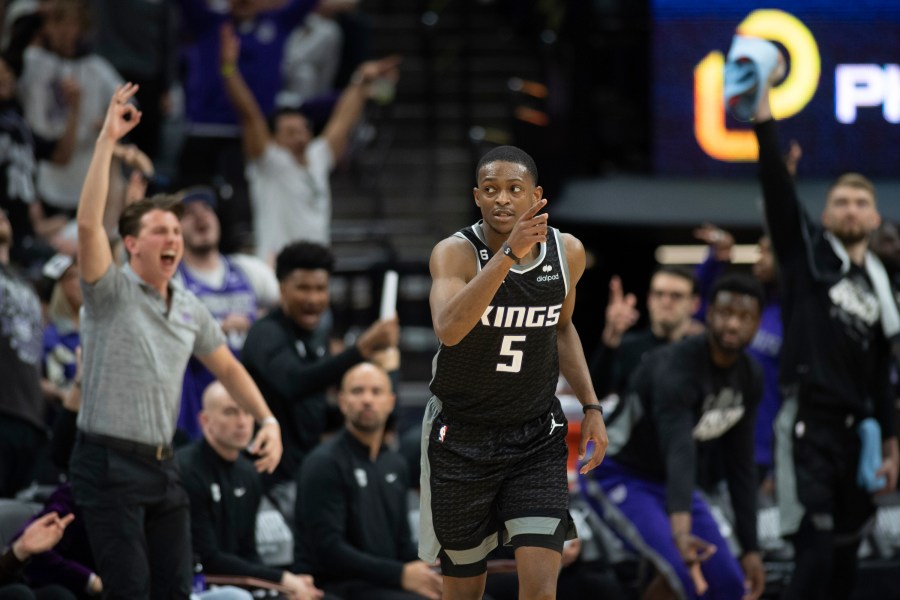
[(675, 425), (268, 351), (10, 567), (205, 537), (741, 465), (782, 207), (323, 513), (883, 390)]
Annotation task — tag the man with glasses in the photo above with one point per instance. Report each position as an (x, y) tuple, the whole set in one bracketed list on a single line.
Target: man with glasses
[(671, 301)]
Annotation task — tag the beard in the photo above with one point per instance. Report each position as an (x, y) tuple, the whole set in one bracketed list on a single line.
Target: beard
[(200, 249), (850, 236)]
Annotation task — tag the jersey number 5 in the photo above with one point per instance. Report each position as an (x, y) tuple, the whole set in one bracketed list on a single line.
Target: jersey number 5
[(515, 356)]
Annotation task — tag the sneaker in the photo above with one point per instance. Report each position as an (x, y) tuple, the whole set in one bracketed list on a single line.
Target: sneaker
[(750, 63)]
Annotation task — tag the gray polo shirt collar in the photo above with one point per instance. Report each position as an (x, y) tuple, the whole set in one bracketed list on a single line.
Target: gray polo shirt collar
[(175, 286)]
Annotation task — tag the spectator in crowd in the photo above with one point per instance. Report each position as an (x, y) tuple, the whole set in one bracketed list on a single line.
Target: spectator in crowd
[(21, 399), (64, 89), (703, 388), (671, 301), (212, 146), (287, 353), (225, 493), (69, 562), (352, 501), (61, 335), (288, 170), (41, 535), (312, 54), (138, 329), (17, 165), (840, 324), (235, 288), (139, 39)]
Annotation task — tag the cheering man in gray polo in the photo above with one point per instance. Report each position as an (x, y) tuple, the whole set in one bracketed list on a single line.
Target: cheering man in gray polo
[(138, 331)]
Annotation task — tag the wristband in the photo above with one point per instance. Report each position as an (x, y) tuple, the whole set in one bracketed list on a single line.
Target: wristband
[(507, 251), (268, 421), (228, 70), (588, 407)]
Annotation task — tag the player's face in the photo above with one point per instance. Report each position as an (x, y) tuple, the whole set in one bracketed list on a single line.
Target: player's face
[(850, 214), (305, 297), (366, 398), (505, 191), (200, 227), (732, 320), (764, 267), (158, 247), (670, 301), (227, 424)]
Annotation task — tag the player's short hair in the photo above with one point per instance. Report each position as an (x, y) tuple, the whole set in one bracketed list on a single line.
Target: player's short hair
[(303, 255), (738, 283), (509, 154)]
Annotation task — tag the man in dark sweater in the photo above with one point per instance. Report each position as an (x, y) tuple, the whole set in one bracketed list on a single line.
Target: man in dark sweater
[(840, 322), (701, 390), (671, 300), (287, 354), (225, 492), (352, 501)]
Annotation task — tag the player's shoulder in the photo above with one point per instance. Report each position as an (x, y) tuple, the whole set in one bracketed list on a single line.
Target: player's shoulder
[(570, 242), (452, 247)]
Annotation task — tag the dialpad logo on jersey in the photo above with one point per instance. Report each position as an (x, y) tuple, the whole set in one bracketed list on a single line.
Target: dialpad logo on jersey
[(720, 413), (521, 316), (542, 278), (547, 268)]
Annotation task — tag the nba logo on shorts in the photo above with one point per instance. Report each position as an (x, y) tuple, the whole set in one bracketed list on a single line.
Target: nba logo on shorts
[(441, 433)]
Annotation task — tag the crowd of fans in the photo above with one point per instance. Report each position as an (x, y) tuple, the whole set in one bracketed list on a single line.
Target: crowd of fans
[(253, 80)]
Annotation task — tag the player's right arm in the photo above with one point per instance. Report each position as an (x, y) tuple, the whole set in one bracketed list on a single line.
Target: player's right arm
[(94, 256), (459, 293), (458, 296)]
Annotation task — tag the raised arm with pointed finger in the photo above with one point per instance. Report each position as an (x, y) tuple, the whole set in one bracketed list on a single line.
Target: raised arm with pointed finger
[(94, 256)]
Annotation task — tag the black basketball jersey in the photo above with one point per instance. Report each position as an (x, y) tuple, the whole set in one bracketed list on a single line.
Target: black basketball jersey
[(506, 369)]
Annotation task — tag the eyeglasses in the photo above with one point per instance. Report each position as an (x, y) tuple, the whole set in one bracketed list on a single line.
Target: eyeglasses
[(676, 296)]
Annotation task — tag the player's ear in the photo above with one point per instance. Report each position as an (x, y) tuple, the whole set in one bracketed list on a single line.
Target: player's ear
[(538, 193), (475, 196)]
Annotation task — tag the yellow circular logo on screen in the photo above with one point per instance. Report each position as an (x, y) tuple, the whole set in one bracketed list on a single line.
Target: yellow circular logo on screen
[(787, 98)]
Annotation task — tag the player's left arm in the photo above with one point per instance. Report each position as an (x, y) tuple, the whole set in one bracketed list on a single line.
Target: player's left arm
[(572, 363)]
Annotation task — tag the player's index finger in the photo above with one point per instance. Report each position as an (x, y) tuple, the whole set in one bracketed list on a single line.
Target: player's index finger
[(534, 208)]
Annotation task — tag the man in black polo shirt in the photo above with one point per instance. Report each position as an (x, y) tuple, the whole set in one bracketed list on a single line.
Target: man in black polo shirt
[(225, 491), (352, 501)]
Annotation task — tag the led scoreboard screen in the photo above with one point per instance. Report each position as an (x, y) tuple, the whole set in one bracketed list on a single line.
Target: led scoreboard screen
[(840, 99)]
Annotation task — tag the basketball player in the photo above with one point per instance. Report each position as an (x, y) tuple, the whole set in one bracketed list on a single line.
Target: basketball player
[(494, 435)]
